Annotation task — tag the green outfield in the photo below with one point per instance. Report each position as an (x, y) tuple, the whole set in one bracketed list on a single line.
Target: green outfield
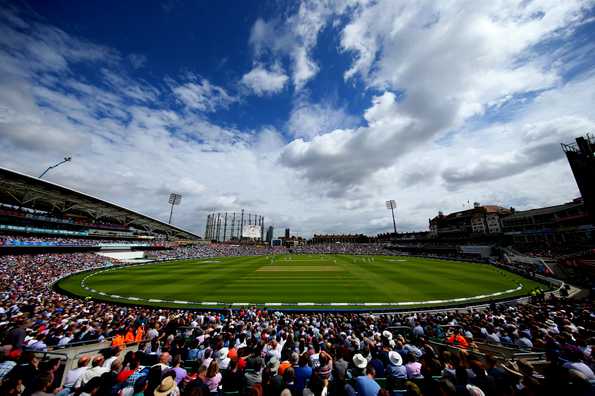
[(334, 281)]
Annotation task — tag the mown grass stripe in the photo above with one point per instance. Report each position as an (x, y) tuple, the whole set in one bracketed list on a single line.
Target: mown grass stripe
[(358, 280)]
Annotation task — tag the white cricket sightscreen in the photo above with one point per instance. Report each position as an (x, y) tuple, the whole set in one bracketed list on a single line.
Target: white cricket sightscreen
[(251, 231)]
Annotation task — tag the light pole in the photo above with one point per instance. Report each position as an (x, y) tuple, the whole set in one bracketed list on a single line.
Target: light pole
[(174, 199), (66, 159), (392, 205)]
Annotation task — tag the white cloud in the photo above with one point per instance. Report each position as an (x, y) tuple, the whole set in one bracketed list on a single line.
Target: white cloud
[(199, 94), (448, 62), (473, 53), (424, 141), (295, 36), (308, 120), (264, 82)]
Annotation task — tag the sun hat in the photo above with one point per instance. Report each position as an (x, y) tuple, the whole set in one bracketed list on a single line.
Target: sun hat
[(273, 363), (395, 358), (387, 334), (512, 368), (166, 386), (474, 390), (359, 361)]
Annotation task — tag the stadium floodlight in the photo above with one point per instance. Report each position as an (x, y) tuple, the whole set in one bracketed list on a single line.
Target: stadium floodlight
[(392, 205), (174, 199), (66, 159)]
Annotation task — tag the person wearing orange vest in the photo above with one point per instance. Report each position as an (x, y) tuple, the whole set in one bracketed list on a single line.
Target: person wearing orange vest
[(129, 336), (118, 340), (458, 340), (140, 334)]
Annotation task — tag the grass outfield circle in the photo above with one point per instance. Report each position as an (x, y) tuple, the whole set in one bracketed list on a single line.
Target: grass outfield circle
[(319, 281)]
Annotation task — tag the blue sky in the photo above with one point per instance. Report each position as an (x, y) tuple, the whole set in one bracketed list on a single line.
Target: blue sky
[(209, 39), (312, 112)]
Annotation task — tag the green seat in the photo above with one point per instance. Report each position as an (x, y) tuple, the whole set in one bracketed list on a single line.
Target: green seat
[(382, 382), (190, 365), (233, 393)]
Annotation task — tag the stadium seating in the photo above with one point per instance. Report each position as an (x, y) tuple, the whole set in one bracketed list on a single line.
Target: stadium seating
[(543, 347)]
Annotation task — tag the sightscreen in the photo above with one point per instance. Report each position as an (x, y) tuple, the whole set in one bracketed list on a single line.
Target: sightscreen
[(251, 231)]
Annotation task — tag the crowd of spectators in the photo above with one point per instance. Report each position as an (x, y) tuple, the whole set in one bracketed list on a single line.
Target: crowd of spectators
[(14, 239), (345, 248), (214, 250), (261, 352)]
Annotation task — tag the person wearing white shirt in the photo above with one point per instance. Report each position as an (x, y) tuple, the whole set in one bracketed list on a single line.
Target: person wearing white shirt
[(96, 370), (164, 361), (65, 340), (115, 355), (73, 375)]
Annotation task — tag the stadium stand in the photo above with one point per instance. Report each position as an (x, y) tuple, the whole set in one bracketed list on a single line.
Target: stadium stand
[(35, 207), (56, 344), (544, 347)]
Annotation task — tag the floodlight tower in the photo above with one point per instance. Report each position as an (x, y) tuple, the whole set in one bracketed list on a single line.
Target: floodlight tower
[(174, 199), (66, 159), (392, 205)]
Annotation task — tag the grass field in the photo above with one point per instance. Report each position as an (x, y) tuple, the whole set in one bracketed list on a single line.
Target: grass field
[(332, 280)]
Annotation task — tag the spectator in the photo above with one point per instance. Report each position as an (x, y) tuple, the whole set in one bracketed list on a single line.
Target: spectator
[(167, 387), (213, 377), (365, 384), (412, 366), (164, 361), (181, 373), (395, 370), (96, 370)]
